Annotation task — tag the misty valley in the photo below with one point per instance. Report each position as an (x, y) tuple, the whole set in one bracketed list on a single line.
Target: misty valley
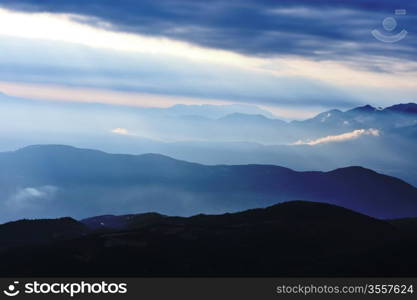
[(260, 148), (333, 195)]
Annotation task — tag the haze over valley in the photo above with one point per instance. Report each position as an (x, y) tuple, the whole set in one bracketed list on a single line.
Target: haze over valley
[(208, 138)]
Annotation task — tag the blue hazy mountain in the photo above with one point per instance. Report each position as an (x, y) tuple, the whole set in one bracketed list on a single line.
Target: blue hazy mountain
[(391, 154), (48, 122), (367, 116), (410, 108), (238, 136), (213, 111), (51, 181)]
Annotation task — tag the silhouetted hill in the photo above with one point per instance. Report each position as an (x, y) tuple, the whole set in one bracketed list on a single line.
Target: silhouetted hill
[(408, 225), (152, 182), (39, 231), (122, 222), (290, 239)]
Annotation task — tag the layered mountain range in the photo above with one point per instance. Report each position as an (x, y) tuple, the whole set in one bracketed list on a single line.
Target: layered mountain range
[(384, 140), (228, 183), (54, 180)]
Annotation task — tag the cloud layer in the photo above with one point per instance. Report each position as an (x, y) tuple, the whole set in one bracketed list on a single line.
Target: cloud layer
[(299, 27), (31, 198), (341, 137), (282, 55)]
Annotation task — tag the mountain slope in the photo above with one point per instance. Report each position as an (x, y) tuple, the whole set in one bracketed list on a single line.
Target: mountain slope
[(366, 116), (121, 222), (39, 231), (408, 108), (69, 181), (290, 239)]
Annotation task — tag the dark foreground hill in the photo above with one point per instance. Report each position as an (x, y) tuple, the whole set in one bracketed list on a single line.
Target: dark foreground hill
[(122, 222), (62, 180), (289, 239), (27, 232)]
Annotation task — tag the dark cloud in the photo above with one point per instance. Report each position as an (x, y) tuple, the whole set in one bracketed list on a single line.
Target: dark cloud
[(318, 29), (59, 63)]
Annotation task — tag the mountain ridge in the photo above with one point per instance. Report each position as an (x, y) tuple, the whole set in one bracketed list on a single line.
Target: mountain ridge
[(295, 238), (169, 186)]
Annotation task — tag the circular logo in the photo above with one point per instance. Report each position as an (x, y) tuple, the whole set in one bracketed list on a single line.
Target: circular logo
[(389, 24), (11, 290)]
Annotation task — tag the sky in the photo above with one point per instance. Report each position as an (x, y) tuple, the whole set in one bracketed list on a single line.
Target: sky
[(295, 58)]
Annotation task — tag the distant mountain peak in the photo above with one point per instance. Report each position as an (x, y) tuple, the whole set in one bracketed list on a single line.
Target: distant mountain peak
[(410, 108), (55, 148), (47, 146), (243, 116), (62, 150), (365, 108), (217, 111), (327, 115)]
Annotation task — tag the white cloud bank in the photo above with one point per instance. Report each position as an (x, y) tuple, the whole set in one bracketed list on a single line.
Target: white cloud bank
[(121, 131), (31, 197), (341, 137)]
